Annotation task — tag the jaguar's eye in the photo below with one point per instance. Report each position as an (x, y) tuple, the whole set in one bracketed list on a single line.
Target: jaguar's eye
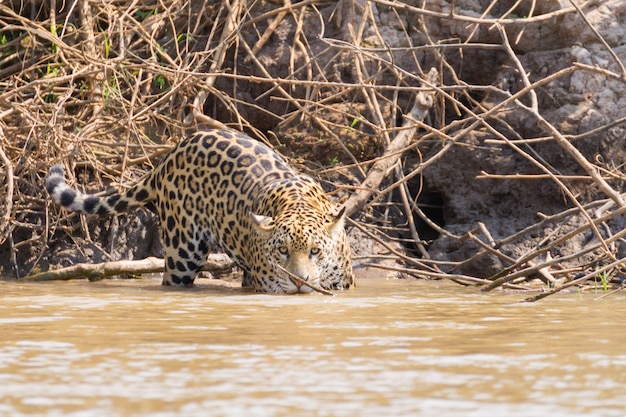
[(315, 251), (283, 250)]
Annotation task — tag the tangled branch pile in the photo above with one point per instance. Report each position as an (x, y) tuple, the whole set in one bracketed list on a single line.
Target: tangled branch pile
[(507, 168)]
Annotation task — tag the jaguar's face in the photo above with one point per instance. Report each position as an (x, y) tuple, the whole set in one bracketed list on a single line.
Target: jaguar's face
[(301, 245)]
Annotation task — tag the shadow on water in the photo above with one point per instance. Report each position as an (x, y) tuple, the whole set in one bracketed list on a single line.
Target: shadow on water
[(390, 348)]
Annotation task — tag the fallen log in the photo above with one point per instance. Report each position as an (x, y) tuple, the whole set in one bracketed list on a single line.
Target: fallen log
[(96, 272)]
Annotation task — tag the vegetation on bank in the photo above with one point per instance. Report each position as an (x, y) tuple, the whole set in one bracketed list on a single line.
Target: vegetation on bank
[(369, 96)]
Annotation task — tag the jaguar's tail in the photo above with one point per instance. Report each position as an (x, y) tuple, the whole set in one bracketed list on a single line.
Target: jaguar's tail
[(75, 200)]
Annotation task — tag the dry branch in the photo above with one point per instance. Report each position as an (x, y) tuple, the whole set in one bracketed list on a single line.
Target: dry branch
[(424, 101), (233, 10), (8, 205)]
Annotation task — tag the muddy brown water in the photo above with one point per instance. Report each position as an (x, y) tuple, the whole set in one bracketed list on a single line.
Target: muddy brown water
[(390, 348)]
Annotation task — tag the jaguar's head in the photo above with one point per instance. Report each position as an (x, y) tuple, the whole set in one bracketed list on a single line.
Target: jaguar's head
[(302, 243)]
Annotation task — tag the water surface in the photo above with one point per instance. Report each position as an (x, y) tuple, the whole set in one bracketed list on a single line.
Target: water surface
[(390, 348)]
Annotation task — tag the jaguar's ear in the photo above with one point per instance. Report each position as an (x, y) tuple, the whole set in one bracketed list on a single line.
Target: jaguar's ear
[(336, 225), (262, 223)]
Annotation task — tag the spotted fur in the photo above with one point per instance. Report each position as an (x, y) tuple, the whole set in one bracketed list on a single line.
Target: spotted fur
[(220, 187)]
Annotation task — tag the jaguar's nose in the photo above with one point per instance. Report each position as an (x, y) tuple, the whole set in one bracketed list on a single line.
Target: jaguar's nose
[(305, 289)]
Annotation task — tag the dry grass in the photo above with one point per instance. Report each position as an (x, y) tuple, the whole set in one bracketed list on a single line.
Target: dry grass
[(107, 87)]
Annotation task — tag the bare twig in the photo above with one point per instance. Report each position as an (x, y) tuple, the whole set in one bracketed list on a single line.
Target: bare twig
[(304, 282), (233, 9), (610, 50), (8, 206), (423, 103)]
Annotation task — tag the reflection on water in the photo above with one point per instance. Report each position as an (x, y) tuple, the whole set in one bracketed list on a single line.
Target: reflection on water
[(390, 348)]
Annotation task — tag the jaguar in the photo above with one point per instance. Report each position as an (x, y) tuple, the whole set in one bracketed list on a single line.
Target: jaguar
[(222, 189)]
